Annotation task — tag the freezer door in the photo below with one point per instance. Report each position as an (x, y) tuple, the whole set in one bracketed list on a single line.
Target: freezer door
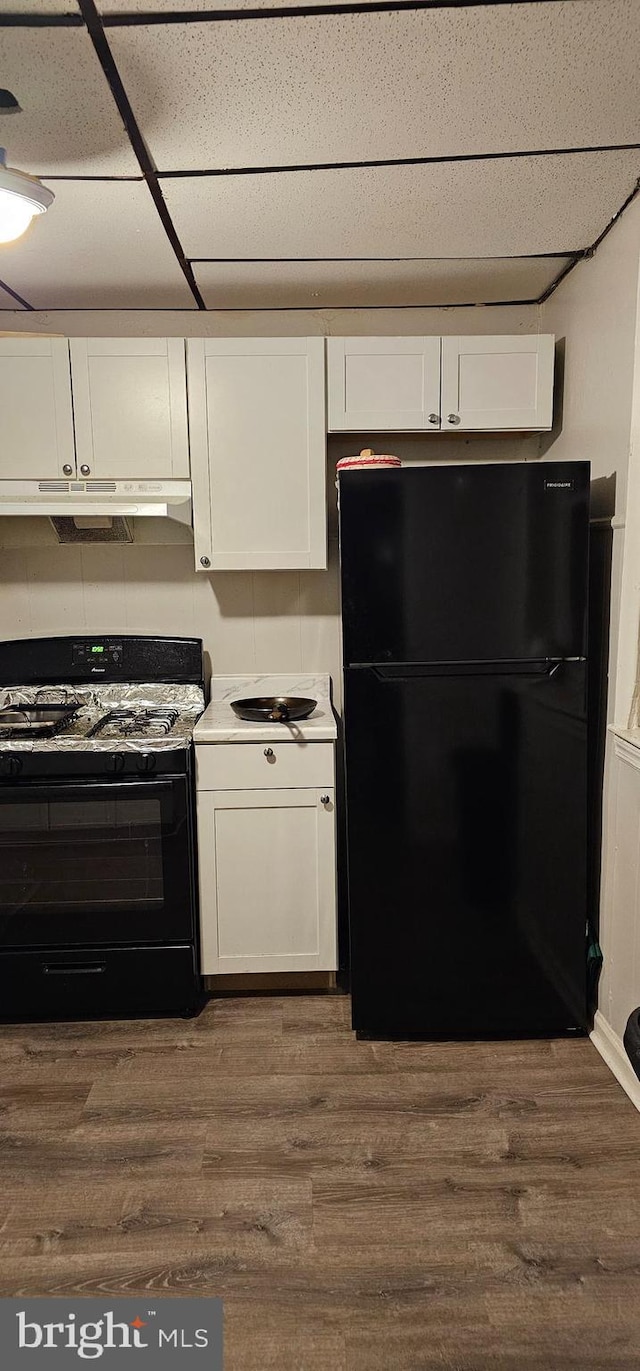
[(458, 563), (466, 812)]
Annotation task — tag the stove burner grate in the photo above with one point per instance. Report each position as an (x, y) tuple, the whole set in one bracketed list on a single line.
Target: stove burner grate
[(126, 723)]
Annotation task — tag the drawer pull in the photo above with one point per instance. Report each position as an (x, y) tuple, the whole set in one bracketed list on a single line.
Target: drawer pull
[(325, 799), (268, 752)]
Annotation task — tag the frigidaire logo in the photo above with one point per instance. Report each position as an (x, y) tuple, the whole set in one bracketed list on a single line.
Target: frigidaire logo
[(558, 485), (174, 1332)]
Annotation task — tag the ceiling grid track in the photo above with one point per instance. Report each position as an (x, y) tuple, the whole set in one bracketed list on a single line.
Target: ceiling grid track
[(20, 19), (502, 257), (445, 158), (589, 252), (286, 309), (24, 304), (215, 16), (147, 166)]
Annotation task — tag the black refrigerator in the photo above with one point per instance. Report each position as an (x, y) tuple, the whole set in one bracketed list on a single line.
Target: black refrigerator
[(464, 604)]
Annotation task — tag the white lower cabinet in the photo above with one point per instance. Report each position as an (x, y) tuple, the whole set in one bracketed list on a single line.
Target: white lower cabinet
[(267, 861)]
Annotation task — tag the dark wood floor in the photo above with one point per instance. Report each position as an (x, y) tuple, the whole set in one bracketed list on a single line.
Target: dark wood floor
[(359, 1206)]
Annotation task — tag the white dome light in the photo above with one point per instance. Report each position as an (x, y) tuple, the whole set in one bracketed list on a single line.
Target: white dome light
[(21, 198)]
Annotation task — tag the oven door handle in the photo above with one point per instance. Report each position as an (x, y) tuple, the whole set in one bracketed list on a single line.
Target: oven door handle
[(73, 968), (103, 790)]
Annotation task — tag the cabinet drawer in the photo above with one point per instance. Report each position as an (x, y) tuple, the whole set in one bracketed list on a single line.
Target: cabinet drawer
[(256, 766)]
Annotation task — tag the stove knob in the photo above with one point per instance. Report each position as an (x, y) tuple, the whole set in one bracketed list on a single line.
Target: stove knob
[(10, 766), (146, 762), (115, 762)]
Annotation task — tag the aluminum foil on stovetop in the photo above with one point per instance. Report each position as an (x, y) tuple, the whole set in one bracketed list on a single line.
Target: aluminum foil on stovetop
[(96, 701)]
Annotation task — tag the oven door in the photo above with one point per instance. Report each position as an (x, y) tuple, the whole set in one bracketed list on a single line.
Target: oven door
[(94, 864)]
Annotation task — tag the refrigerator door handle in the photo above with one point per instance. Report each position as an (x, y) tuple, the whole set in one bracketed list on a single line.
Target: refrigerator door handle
[(409, 672)]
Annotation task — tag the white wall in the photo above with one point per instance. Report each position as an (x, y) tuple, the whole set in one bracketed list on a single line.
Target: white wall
[(277, 621), (250, 622), (291, 323), (595, 312)]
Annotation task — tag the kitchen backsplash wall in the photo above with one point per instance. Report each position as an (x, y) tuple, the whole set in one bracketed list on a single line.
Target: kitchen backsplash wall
[(250, 622)]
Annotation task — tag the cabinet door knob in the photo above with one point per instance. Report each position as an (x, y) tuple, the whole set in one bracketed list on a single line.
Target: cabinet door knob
[(454, 418), (268, 752), (67, 469), (204, 561), (325, 799), (86, 471), (434, 418)]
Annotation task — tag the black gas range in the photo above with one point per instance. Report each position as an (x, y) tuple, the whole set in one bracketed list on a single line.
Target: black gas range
[(98, 888)]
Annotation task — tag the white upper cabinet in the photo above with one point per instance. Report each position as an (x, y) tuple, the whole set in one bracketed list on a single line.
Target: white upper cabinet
[(258, 452), (383, 384), (497, 382), (130, 406), (433, 384), (36, 424)]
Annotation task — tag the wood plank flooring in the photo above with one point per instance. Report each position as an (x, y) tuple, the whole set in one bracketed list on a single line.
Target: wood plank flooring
[(359, 1206)]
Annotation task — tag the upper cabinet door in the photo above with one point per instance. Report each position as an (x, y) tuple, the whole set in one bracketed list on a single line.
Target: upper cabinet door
[(383, 383), (497, 383), (36, 427), (130, 405), (258, 452)]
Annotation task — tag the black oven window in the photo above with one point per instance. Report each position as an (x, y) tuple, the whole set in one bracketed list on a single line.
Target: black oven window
[(89, 856)]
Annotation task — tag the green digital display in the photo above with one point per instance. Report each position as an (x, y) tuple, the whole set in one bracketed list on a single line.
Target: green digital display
[(97, 649)]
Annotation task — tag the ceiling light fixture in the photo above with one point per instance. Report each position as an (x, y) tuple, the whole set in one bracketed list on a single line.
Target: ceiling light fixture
[(21, 198)]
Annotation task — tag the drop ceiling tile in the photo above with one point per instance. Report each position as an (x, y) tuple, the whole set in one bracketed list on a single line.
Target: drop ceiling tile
[(509, 208), (354, 284), (38, 7), (69, 123), (290, 91), (99, 246)]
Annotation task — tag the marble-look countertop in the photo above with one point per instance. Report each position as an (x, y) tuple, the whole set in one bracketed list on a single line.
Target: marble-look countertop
[(219, 724), (628, 735)]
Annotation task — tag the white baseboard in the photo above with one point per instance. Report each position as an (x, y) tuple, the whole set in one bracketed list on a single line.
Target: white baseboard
[(610, 1047)]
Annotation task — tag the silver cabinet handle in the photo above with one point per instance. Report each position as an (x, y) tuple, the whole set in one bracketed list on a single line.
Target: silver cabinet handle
[(268, 752), (86, 471), (204, 561), (454, 418), (67, 469), (434, 418), (325, 799)]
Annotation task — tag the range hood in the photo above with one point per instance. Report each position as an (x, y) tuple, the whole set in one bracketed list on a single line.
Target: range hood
[(84, 499)]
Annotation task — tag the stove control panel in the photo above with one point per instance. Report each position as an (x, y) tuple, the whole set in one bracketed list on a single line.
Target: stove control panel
[(98, 657)]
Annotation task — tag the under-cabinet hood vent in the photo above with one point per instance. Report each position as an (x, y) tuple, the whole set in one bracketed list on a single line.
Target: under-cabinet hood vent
[(92, 530), (88, 499)]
